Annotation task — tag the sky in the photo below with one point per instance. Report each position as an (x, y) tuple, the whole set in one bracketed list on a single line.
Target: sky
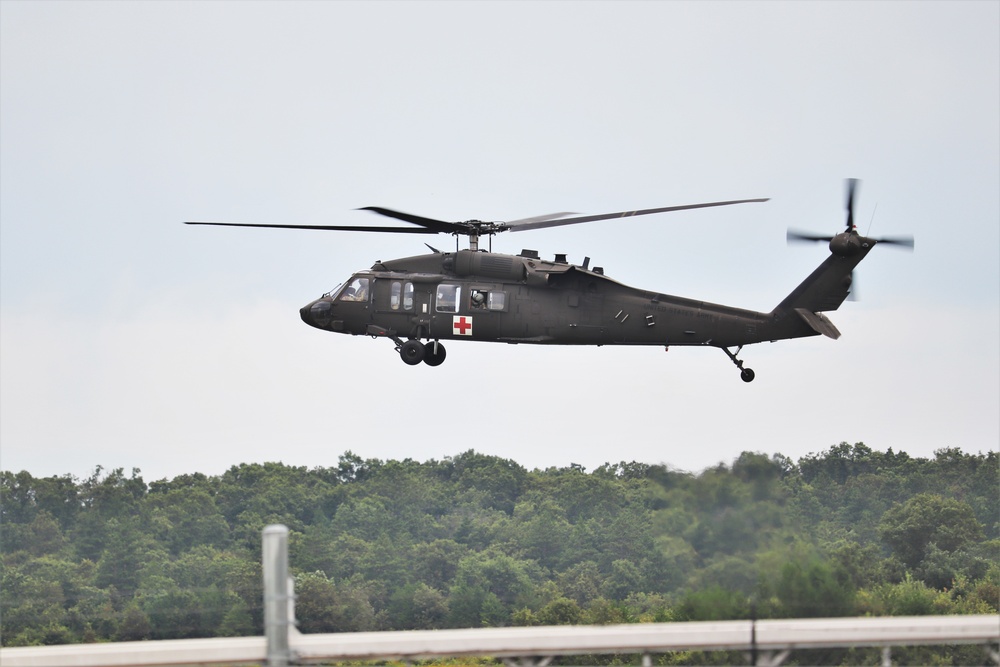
[(129, 340)]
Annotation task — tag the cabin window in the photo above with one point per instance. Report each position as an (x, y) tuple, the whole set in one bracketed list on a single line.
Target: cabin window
[(447, 298), (481, 299), (357, 290), (404, 289), (394, 293), (408, 296)]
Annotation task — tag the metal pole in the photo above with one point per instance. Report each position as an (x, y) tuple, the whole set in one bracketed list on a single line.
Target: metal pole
[(276, 597)]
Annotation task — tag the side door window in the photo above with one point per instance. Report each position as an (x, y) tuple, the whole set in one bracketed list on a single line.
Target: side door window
[(400, 295), (448, 298), (482, 299), (395, 292), (407, 296)]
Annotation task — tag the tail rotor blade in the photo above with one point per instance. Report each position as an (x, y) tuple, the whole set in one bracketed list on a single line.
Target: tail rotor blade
[(903, 241), (852, 184), (796, 236)]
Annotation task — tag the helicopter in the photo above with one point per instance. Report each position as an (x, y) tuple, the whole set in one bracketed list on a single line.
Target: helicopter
[(476, 294)]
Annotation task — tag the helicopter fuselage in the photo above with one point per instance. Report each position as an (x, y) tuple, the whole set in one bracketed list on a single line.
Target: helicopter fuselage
[(485, 296)]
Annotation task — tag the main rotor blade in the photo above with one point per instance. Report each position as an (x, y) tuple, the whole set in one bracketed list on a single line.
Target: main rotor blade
[(515, 227), (338, 228), (438, 226), (538, 218)]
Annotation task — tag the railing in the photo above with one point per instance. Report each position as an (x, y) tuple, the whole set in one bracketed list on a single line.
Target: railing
[(766, 642)]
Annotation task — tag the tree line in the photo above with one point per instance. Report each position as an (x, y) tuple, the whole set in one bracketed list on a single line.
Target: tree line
[(476, 540)]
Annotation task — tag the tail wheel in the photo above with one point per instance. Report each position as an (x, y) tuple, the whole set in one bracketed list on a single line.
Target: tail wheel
[(412, 352), (746, 374), (434, 354)]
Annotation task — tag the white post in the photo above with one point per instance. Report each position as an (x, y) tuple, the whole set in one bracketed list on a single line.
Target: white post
[(276, 594)]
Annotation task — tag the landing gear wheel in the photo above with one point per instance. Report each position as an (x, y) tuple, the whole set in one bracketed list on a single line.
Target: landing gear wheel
[(746, 374), (412, 352), (434, 354)]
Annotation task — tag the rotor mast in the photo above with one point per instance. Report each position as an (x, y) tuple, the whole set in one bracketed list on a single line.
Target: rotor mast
[(476, 228)]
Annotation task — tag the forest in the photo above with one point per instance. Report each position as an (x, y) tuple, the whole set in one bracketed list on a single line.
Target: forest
[(476, 540)]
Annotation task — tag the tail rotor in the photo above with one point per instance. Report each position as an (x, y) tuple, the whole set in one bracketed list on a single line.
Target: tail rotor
[(849, 242), (851, 230)]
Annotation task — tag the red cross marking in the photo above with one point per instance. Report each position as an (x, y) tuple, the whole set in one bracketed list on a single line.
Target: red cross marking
[(463, 326)]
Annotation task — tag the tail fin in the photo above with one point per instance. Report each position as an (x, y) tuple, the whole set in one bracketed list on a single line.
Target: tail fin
[(824, 289), (827, 286)]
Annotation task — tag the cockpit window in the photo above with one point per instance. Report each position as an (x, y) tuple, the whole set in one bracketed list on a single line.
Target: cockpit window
[(447, 298), (356, 290)]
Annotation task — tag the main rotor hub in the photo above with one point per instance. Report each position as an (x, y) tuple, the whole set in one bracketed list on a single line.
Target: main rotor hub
[(476, 228)]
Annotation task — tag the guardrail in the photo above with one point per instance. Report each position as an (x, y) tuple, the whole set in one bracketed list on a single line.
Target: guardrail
[(768, 642)]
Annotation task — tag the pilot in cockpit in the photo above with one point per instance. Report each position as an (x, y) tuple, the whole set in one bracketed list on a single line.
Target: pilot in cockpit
[(356, 291)]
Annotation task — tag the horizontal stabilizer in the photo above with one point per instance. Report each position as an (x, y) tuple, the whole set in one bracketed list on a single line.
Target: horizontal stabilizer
[(819, 323)]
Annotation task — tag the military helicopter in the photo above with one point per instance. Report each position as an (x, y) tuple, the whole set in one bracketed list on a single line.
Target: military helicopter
[(476, 294)]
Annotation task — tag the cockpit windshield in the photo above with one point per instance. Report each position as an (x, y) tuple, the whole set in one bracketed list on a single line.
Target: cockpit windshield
[(356, 290)]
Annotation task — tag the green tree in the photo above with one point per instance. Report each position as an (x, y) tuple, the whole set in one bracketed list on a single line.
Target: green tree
[(24, 496), (435, 563), (186, 518), (418, 606), (582, 582), (561, 611), (238, 621), (713, 604), (927, 518), (809, 587), (134, 625), (325, 606), (501, 479), (42, 536), (507, 578)]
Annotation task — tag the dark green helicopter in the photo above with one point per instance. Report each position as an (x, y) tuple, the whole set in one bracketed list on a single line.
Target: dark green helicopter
[(480, 295)]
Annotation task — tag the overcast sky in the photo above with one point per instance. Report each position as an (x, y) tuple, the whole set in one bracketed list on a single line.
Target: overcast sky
[(131, 340)]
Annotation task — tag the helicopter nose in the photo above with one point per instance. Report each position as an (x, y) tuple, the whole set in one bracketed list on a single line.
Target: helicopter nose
[(317, 314)]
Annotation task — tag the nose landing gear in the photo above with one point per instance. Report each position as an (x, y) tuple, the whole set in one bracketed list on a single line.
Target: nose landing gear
[(746, 374)]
